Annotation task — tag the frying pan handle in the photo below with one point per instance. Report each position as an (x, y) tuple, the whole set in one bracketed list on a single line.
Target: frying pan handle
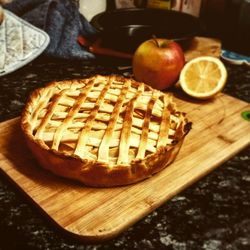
[(96, 48)]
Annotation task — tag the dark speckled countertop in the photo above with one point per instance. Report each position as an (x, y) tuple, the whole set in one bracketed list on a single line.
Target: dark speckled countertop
[(212, 214)]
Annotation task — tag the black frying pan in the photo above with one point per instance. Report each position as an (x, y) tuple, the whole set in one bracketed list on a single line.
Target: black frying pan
[(125, 29)]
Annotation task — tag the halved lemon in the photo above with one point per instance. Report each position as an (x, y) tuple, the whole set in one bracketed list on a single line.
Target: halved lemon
[(203, 77)]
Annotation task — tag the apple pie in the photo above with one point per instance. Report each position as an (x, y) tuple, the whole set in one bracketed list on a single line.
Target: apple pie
[(104, 130)]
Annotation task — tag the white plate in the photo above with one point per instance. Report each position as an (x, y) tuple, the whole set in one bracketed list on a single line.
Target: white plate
[(20, 43), (235, 58)]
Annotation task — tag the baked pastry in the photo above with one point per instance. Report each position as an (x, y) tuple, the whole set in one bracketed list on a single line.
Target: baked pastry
[(103, 131)]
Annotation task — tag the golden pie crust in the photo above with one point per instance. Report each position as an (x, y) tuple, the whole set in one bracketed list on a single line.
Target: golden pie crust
[(104, 130)]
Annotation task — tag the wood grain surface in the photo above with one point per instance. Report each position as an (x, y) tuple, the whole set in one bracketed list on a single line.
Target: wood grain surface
[(203, 46), (94, 214)]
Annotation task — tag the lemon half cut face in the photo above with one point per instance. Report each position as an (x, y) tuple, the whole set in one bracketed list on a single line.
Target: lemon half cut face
[(203, 77)]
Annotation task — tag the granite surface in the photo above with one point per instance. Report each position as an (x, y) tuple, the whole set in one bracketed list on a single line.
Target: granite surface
[(212, 214)]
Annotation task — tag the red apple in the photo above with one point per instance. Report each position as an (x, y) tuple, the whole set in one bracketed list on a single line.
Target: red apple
[(158, 62)]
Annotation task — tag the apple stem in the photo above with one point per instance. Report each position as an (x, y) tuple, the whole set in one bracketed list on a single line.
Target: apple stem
[(161, 44), (155, 40)]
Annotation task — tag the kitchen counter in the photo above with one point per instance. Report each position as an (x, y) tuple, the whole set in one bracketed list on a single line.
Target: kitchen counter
[(214, 213)]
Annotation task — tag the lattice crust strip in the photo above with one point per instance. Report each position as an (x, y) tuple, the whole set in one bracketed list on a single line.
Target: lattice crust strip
[(107, 119)]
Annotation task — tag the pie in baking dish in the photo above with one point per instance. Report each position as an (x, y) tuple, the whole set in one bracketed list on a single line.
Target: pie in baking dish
[(104, 130)]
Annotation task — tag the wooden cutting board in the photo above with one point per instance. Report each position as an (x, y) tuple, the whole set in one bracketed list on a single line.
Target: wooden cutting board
[(95, 214)]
